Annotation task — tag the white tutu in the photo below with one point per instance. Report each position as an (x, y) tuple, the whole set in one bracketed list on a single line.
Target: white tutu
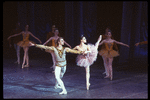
[(89, 58)]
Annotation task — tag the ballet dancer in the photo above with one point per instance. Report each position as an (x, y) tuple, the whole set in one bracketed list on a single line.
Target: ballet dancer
[(25, 44), (60, 56), (16, 40), (50, 34), (88, 57), (103, 47), (108, 53), (53, 40)]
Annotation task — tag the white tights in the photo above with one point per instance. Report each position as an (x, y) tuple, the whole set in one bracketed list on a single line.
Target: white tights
[(59, 72)]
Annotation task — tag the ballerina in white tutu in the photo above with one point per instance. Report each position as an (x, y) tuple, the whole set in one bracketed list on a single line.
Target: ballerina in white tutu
[(89, 56)]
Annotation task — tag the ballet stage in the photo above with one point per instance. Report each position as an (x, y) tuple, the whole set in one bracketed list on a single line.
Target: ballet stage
[(38, 81)]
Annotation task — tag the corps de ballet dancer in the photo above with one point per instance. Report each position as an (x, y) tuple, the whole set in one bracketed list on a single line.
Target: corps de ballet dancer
[(25, 44), (60, 57), (108, 53), (88, 57)]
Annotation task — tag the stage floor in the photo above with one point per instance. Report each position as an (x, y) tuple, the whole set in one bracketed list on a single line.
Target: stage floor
[(38, 81)]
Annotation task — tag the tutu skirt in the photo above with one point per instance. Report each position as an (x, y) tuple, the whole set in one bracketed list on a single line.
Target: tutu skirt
[(88, 59), (24, 43), (108, 53)]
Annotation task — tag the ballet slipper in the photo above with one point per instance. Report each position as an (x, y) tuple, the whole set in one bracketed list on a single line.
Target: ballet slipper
[(88, 85), (57, 86), (106, 76), (22, 66), (17, 62), (63, 92), (26, 66)]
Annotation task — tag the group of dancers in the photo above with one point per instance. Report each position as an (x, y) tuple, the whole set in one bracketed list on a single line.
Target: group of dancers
[(87, 53)]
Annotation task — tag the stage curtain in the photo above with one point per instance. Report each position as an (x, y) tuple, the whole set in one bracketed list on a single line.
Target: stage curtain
[(37, 15), (80, 19), (134, 29)]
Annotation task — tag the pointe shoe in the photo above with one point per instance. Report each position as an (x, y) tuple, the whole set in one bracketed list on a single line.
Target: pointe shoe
[(22, 66), (111, 78), (26, 66), (17, 62), (57, 86), (63, 92), (106, 76), (104, 72), (88, 86)]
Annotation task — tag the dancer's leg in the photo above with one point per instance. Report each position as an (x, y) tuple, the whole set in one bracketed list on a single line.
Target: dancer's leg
[(24, 58), (15, 46), (18, 54), (110, 68), (105, 60), (87, 69), (63, 70), (27, 57), (60, 82)]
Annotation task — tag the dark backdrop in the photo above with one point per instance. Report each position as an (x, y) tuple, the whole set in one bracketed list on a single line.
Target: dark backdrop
[(127, 20)]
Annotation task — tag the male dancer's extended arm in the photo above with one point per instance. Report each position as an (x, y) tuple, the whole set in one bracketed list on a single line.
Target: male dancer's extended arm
[(68, 50), (44, 47)]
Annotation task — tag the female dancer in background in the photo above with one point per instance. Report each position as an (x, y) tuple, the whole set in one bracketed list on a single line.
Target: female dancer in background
[(108, 53), (54, 39), (115, 47), (89, 56), (25, 44)]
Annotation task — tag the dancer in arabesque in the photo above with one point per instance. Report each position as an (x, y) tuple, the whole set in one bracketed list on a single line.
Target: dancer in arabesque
[(89, 56)]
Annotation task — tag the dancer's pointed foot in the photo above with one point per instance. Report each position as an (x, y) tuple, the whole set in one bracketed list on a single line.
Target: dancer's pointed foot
[(106, 76), (104, 72), (57, 86), (88, 85), (17, 62), (63, 92), (26, 65), (111, 78), (22, 66)]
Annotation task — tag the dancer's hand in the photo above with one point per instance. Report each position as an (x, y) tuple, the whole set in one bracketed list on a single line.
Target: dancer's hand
[(8, 37), (136, 44), (31, 44), (40, 42), (128, 46), (85, 52)]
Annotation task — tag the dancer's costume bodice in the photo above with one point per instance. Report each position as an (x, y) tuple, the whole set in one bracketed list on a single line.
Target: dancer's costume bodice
[(109, 46), (25, 36)]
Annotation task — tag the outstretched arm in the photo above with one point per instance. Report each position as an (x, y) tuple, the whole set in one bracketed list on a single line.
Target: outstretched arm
[(35, 37), (121, 43), (73, 51), (67, 44), (42, 46), (140, 43), (14, 35), (47, 41)]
